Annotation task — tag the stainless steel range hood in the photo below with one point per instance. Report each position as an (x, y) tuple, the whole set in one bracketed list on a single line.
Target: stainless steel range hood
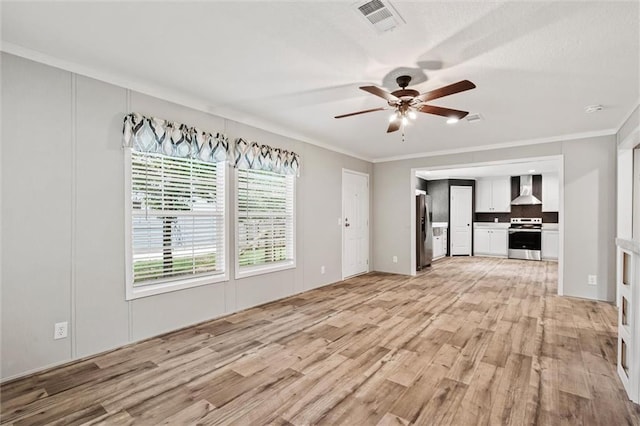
[(526, 197)]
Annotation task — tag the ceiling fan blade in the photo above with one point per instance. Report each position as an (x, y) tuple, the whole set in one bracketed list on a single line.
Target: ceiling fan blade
[(451, 89), (360, 112), (445, 112), (393, 126), (375, 90)]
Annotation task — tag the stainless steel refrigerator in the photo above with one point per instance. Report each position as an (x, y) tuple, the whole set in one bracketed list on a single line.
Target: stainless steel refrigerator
[(424, 231)]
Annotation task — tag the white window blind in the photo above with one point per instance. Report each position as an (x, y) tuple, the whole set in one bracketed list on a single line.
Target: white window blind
[(265, 220), (177, 218)]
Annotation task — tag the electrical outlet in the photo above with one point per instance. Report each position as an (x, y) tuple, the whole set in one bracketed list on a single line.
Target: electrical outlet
[(395, 259), (322, 269), (592, 280), (60, 330)]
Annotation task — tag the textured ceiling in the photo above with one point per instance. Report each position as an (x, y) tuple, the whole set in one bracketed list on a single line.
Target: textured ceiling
[(516, 168), (289, 67)]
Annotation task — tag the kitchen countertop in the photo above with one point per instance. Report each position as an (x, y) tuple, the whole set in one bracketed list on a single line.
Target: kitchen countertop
[(440, 224), (549, 226), (491, 225)]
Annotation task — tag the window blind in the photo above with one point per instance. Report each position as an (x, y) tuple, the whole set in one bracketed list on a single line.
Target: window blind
[(178, 217), (265, 218)]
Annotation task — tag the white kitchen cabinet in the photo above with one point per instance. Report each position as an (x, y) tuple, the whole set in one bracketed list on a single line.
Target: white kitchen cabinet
[(550, 244), (493, 195), (550, 193), (437, 247), (481, 243), (439, 242), (492, 242)]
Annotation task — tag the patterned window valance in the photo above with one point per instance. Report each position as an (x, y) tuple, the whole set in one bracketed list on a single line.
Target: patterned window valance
[(263, 157), (152, 134)]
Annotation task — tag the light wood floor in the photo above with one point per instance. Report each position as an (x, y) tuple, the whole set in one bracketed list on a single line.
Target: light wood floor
[(471, 341)]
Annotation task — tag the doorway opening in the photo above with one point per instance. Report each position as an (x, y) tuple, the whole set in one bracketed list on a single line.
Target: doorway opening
[(495, 207)]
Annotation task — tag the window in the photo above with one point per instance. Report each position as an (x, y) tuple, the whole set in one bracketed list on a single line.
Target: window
[(176, 223), (265, 222)]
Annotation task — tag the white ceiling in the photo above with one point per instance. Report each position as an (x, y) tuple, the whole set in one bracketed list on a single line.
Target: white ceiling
[(516, 168), (289, 67)]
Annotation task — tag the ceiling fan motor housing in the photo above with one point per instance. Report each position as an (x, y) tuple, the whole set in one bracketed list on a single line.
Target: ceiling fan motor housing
[(403, 81)]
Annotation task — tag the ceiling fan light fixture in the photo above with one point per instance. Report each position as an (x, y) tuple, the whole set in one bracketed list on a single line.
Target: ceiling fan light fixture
[(406, 103), (452, 120)]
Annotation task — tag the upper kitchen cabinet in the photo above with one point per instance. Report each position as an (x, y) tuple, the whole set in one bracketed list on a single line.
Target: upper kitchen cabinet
[(550, 193), (493, 195)]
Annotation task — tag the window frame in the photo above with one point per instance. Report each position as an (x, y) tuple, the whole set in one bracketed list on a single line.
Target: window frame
[(250, 271), (167, 285)]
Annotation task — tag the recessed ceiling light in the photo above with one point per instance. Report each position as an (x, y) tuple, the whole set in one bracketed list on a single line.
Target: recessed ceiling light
[(532, 170), (452, 120), (593, 108)]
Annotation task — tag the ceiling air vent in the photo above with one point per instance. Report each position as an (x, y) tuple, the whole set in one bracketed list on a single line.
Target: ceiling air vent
[(381, 15), (474, 118)]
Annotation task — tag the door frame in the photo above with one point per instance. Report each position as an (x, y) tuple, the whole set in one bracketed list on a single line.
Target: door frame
[(340, 221), (450, 236), (412, 203)]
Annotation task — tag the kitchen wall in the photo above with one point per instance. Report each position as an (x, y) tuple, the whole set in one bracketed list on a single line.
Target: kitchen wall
[(589, 208), (628, 183), (62, 175), (439, 191)]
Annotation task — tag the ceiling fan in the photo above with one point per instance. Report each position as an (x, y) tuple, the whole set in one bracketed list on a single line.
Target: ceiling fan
[(406, 102)]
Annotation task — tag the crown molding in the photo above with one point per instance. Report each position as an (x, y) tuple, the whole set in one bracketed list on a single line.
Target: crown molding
[(167, 94)]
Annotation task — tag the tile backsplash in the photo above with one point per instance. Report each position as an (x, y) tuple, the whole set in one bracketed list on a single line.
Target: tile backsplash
[(518, 211)]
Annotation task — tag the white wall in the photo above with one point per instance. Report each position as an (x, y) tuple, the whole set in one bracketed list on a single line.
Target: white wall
[(589, 208), (628, 213), (63, 220)]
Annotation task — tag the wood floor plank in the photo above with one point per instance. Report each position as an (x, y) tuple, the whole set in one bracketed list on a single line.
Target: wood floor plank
[(442, 407), (480, 396), (470, 340)]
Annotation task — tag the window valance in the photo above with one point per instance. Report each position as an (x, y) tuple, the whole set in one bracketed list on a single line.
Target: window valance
[(152, 134), (263, 157)]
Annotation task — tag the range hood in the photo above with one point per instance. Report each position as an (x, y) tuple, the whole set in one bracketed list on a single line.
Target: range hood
[(526, 197)]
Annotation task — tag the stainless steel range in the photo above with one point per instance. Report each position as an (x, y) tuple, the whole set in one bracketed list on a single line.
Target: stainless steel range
[(525, 238)]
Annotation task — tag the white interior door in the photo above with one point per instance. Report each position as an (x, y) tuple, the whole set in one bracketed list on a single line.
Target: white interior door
[(355, 223), (461, 217)]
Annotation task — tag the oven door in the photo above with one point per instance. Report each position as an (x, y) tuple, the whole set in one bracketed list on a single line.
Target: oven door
[(525, 244)]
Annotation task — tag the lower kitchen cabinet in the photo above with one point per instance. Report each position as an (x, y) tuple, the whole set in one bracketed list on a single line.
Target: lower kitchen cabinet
[(550, 244), (492, 242), (439, 242)]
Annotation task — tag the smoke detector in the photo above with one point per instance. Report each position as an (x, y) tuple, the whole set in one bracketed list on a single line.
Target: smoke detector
[(380, 14), (593, 108)]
